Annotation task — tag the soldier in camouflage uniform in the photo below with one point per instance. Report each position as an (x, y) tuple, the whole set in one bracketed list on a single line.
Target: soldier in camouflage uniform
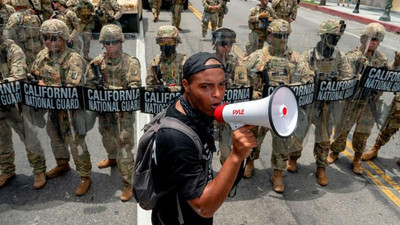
[(236, 76), (177, 7), (359, 110), (5, 11), (278, 62), (222, 12), (155, 9), (23, 28), (12, 68), (165, 70), (325, 62), (108, 12), (46, 8), (119, 71), (69, 17), (285, 9), (58, 65), (392, 125), (210, 14), (260, 17), (84, 10)]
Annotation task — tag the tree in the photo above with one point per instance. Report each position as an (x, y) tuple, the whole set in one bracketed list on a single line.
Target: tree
[(322, 2)]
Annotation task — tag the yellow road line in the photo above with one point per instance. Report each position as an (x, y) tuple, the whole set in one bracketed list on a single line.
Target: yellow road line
[(236, 49)]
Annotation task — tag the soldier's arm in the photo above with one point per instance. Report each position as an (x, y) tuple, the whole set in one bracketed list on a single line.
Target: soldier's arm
[(151, 77), (17, 61), (75, 23), (345, 69), (206, 5), (116, 7), (90, 76), (271, 12), (275, 3), (304, 72), (294, 10), (253, 17), (133, 75), (241, 77), (76, 70)]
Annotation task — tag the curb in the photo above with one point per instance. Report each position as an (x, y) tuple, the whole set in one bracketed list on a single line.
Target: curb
[(389, 27)]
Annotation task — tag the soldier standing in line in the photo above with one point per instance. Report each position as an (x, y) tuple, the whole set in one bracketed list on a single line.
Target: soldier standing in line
[(176, 8), (115, 69), (155, 9), (210, 14), (69, 17), (84, 10), (222, 12), (259, 19), (392, 125), (47, 9), (13, 67), (5, 11), (108, 12), (58, 65), (165, 70), (23, 28), (273, 65), (236, 76), (325, 62), (360, 112), (285, 9)]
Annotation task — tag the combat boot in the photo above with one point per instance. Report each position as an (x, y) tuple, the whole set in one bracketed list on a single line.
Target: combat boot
[(6, 177), (332, 157), (372, 153), (155, 19), (277, 181), (248, 171), (398, 162), (105, 163), (357, 166), (321, 176), (203, 37), (39, 180), (180, 29), (126, 194), (58, 170), (83, 186), (291, 165)]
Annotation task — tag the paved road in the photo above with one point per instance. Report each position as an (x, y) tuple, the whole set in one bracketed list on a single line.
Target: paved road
[(373, 198)]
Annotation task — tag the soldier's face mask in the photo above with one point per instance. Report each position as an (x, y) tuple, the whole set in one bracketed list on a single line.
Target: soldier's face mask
[(52, 38), (168, 50), (332, 39)]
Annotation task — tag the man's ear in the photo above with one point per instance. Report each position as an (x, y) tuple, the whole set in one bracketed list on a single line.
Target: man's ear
[(185, 85)]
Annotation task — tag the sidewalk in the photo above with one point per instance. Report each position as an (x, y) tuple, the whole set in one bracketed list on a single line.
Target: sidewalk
[(367, 14)]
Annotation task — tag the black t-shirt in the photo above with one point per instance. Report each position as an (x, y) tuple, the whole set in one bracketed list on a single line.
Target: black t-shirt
[(179, 166)]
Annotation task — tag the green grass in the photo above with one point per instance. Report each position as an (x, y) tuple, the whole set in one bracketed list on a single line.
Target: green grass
[(312, 2)]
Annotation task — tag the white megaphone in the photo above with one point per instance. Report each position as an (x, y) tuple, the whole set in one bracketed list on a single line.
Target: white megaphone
[(278, 111)]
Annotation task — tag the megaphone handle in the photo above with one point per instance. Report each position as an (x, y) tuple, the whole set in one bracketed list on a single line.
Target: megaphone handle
[(236, 126)]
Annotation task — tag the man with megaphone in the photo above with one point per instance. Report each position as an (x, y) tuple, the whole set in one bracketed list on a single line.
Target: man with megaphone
[(273, 65), (325, 63)]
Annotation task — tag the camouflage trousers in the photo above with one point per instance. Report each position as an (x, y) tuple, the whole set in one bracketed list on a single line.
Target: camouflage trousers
[(392, 124), (282, 148), (176, 14), (63, 136), (156, 7), (11, 118), (223, 134), (213, 21), (47, 10), (360, 114), (256, 41), (117, 133), (322, 136), (86, 36)]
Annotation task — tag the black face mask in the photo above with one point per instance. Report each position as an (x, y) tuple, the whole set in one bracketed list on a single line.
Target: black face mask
[(332, 39), (168, 50)]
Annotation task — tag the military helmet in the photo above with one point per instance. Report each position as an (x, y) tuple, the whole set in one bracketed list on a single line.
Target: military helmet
[(20, 3), (279, 26), (71, 3), (111, 32), (331, 26), (55, 27), (62, 2), (168, 31), (223, 34), (374, 30)]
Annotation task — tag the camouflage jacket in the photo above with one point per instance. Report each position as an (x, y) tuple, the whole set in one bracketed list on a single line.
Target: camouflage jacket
[(6, 11), (255, 23), (285, 9), (71, 19), (119, 73), (280, 69), (82, 11), (170, 70), (208, 3), (109, 9), (69, 65), (357, 60), (24, 27), (235, 72), (12, 61)]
